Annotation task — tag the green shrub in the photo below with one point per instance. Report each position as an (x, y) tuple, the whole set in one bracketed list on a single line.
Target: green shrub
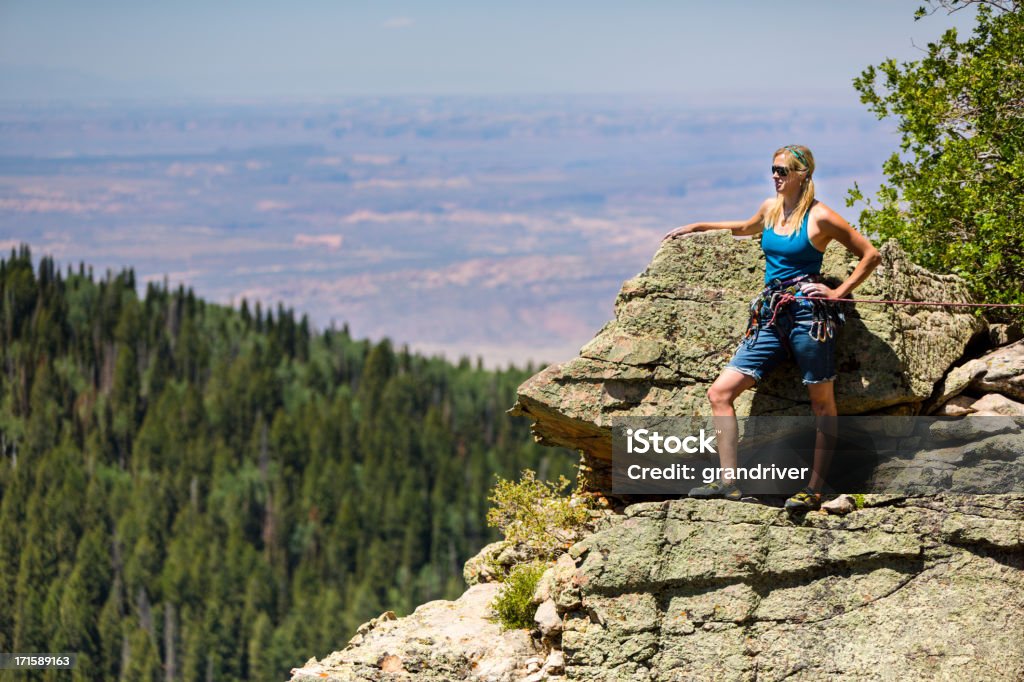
[(535, 515), (514, 604), (954, 192)]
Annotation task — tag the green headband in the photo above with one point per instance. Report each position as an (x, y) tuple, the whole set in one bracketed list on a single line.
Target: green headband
[(796, 152)]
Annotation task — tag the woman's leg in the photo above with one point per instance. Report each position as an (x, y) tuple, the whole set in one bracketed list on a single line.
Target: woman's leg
[(754, 357), (816, 357), (722, 394), (823, 404)]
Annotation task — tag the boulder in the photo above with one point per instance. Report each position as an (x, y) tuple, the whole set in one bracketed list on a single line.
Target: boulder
[(988, 405), (547, 620), (996, 405), (1001, 371), (678, 322), (841, 504)]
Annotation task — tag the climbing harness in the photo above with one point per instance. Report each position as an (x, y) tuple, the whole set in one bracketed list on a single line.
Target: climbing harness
[(827, 314)]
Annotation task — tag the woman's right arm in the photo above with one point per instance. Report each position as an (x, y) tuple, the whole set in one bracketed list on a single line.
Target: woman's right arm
[(739, 228)]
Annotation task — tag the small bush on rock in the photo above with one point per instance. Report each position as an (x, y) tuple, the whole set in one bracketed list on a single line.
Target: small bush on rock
[(534, 514), (514, 605)]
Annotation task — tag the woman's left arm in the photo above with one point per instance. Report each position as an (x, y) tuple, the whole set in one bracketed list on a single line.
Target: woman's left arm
[(833, 225)]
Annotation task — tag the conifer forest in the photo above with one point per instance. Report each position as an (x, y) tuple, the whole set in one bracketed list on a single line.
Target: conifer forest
[(190, 491)]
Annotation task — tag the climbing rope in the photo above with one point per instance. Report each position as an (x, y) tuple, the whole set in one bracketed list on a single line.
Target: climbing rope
[(932, 303), (827, 318)]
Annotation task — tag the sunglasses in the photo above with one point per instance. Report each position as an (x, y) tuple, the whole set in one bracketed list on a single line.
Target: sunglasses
[(781, 170)]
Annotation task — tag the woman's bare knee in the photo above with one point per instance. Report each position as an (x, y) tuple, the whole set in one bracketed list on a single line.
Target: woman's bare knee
[(727, 387), (720, 396)]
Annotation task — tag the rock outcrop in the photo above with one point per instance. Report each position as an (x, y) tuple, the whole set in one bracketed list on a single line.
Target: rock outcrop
[(921, 588), (908, 587), (677, 323)]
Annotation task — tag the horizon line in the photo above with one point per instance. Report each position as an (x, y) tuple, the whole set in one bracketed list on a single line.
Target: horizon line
[(751, 95)]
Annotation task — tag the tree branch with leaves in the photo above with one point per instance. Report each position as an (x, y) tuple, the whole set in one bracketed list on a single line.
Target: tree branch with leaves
[(954, 192)]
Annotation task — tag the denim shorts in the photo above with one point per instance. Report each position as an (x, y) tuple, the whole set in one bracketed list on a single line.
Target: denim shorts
[(788, 337)]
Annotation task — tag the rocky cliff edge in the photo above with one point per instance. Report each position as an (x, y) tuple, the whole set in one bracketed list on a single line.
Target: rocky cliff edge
[(906, 588), (918, 587)]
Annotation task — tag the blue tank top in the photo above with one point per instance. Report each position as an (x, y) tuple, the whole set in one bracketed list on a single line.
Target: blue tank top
[(788, 256)]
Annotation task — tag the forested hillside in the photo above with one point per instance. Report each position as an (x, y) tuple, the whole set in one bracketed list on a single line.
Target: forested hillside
[(193, 492)]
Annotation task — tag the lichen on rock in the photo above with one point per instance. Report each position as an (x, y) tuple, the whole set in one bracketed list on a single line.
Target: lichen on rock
[(923, 588)]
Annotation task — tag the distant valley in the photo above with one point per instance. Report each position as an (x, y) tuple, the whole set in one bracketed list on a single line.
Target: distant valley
[(496, 227)]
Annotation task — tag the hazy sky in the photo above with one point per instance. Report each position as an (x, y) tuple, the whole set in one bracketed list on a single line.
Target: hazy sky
[(256, 48)]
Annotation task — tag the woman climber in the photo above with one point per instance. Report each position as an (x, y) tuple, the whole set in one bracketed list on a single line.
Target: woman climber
[(791, 316)]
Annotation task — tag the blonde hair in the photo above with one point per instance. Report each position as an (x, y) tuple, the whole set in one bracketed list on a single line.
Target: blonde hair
[(799, 159)]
